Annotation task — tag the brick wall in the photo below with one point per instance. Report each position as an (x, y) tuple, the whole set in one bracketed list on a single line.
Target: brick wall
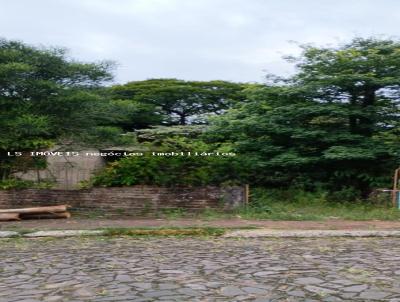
[(132, 200)]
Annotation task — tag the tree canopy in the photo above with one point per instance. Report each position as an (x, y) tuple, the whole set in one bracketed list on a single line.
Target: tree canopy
[(44, 95), (332, 124), (182, 102)]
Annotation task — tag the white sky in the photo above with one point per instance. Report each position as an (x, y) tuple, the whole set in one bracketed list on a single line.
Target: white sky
[(235, 40)]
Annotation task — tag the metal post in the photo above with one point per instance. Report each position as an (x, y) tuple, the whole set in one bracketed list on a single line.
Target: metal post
[(398, 199)]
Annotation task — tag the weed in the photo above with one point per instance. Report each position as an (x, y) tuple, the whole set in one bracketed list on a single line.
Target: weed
[(176, 232), (174, 213)]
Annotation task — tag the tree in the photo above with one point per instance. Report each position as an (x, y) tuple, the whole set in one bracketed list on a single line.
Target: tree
[(332, 125), (127, 115), (182, 102), (43, 95), (365, 74)]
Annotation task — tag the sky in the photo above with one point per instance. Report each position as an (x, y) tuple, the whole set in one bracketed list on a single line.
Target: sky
[(233, 40)]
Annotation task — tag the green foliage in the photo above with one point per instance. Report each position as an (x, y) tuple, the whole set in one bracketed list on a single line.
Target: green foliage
[(164, 231), (104, 136), (174, 213), (44, 95), (363, 74), (169, 170), (295, 204), (126, 114), (14, 183), (334, 125), (181, 102), (160, 133)]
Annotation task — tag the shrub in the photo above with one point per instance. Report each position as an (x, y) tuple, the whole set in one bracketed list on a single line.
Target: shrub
[(15, 183), (177, 169)]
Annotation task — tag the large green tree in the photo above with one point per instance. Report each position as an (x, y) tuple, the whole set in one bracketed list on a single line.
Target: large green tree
[(43, 96), (334, 124), (182, 102), (365, 74)]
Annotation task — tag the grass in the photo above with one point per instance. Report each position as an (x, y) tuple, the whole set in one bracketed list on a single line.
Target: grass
[(284, 210), (299, 205), (164, 232), (322, 211), (292, 210), (92, 214), (136, 232), (287, 205), (173, 213)]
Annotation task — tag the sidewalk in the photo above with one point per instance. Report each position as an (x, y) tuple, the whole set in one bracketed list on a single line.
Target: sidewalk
[(96, 223)]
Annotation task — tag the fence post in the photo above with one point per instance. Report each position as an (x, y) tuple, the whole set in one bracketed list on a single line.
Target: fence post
[(394, 192), (246, 194)]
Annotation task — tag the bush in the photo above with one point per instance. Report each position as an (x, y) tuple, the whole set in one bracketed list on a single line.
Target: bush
[(15, 183), (345, 195), (178, 169)]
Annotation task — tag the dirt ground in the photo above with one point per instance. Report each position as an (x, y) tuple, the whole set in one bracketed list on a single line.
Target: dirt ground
[(94, 223)]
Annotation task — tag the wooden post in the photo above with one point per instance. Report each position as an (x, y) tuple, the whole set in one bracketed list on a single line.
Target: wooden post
[(246, 194), (394, 192)]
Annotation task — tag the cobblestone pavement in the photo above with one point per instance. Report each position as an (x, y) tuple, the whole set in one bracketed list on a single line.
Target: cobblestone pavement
[(199, 269)]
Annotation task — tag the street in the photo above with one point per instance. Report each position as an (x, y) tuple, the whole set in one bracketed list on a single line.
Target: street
[(199, 269)]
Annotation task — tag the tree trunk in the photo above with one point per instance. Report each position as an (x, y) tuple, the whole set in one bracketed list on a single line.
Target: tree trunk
[(182, 119), (352, 117), (366, 124)]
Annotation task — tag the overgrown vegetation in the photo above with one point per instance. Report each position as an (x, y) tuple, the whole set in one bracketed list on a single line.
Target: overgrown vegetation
[(14, 183), (332, 126), (169, 164), (301, 205), (167, 231), (278, 204), (331, 130)]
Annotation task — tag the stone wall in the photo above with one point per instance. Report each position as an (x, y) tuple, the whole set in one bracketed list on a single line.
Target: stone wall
[(130, 200)]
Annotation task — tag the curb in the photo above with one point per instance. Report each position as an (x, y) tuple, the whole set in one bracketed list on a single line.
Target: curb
[(258, 233)]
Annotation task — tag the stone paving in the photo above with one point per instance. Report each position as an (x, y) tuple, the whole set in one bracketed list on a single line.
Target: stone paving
[(199, 269)]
